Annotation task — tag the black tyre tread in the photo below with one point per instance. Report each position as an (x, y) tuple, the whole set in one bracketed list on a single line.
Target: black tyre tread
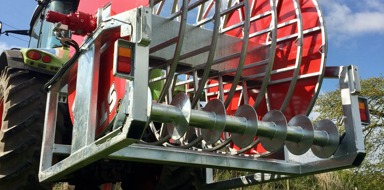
[(19, 95), (15, 152), (21, 131), (16, 129), (21, 109)]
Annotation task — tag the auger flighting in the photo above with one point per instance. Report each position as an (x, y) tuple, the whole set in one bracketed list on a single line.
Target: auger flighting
[(273, 131)]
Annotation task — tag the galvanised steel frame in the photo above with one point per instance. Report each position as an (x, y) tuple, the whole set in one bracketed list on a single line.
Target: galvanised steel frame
[(137, 110)]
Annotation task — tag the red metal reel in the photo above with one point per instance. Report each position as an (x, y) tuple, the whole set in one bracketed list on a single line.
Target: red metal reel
[(285, 57), (313, 61), (311, 66), (258, 51), (310, 70)]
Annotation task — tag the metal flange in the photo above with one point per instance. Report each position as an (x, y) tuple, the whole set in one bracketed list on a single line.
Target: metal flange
[(301, 135), (326, 139), (250, 129), (179, 126), (213, 134), (276, 141)]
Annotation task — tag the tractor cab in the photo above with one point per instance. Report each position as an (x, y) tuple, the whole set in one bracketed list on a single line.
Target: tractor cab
[(42, 32)]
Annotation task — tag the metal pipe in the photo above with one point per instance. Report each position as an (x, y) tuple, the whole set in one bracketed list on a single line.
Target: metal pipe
[(321, 138), (295, 133), (235, 124), (267, 129), (165, 113), (203, 119)]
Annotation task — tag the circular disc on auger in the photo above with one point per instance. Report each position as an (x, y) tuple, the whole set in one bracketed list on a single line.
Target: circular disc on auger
[(213, 134), (244, 139), (178, 128), (331, 143), (273, 144), (303, 144)]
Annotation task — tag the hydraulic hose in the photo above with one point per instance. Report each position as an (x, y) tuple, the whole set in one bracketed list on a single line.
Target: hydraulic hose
[(66, 65)]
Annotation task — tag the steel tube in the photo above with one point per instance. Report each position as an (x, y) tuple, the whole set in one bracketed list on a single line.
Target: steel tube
[(295, 133), (321, 138), (266, 129), (165, 113), (235, 124), (203, 119)]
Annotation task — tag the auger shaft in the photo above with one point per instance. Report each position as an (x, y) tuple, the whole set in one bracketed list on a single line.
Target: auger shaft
[(200, 119), (268, 129), (265, 129), (295, 133), (321, 138)]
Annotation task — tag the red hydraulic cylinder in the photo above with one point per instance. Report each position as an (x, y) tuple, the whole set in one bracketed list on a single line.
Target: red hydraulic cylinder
[(79, 23)]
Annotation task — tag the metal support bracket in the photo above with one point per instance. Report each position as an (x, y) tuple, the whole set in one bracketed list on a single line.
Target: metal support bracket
[(84, 148), (121, 142)]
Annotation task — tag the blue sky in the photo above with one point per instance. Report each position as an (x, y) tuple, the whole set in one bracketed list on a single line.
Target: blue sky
[(355, 36), (355, 32)]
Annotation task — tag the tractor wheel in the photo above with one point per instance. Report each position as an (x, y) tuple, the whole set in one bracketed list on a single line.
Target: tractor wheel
[(22, 108)]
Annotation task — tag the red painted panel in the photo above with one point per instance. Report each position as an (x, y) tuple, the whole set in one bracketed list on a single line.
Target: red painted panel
[(111, 89), (119, 6), (285, 57)]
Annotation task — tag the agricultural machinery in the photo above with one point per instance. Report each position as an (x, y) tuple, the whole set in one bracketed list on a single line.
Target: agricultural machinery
[(157, 94)]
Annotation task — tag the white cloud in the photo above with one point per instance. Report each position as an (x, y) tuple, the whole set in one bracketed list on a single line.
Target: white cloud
[(374, 4), (366, 22), (345, 19), (4, 46)]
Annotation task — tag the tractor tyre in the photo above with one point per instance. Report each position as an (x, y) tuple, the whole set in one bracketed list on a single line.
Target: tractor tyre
[(22, 108)]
